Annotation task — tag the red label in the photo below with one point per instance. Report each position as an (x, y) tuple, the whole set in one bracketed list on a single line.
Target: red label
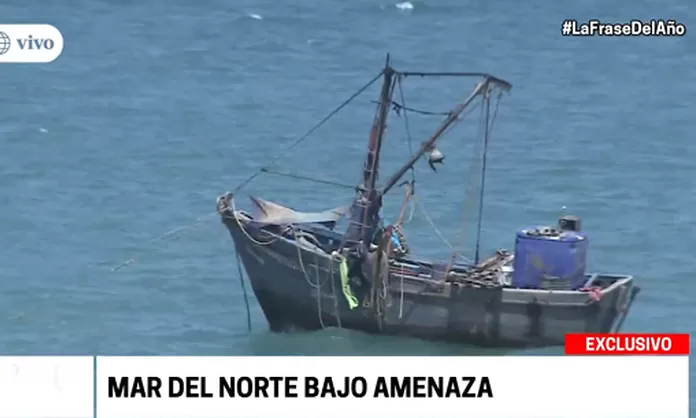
[(627, 344)]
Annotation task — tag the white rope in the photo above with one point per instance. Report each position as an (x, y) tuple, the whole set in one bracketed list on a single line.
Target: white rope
[(235, 215), (401, 299), (437, 230), (174, 232), (316, 285), (319, 283), (320, 313)]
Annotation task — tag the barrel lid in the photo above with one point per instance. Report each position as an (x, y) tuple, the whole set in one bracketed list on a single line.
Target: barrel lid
[(550, 234)]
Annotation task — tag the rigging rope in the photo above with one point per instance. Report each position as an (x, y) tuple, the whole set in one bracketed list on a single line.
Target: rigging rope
[(310, 132), (318, 285), (398, 107), (249, 179), (419, 204), (301, 177), (489, 127), (416, 203), (474, 170), (407, 199), (408, 130)]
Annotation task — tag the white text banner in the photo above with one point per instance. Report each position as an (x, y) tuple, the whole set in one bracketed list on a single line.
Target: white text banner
[(308, 387)]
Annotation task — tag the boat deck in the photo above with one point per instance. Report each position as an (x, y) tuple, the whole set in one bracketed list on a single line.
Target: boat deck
[(493, 272)]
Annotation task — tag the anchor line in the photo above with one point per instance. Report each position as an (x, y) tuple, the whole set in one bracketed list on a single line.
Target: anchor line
[(317, 286), (244, 291), (171, 233)]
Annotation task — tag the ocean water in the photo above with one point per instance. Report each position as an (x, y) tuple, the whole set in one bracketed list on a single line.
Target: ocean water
[(155, 108)]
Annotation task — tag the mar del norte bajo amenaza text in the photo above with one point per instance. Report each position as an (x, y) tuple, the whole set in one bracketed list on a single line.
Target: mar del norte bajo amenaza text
[(295, 387)]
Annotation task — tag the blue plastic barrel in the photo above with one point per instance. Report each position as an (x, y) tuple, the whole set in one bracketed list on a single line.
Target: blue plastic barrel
[(559, 257)]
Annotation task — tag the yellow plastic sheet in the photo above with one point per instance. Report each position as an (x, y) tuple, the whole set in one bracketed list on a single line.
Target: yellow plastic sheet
[(345, 284)]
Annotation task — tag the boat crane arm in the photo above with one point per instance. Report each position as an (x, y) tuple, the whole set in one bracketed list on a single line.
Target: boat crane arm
[(499, 82), (481, 87)]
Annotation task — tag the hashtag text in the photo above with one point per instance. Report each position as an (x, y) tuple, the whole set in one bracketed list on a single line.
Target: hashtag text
[(654, 27)]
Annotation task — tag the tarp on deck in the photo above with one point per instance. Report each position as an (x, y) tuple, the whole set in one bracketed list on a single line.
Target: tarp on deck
[(270, 213)]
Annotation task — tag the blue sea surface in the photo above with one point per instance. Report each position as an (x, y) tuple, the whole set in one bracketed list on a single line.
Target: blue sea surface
[(157, 107)]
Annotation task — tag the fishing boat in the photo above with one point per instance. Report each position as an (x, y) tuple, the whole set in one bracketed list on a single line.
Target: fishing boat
[(307, 274)]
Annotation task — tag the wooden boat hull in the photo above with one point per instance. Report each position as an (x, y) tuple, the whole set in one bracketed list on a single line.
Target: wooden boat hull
[(305, 294)]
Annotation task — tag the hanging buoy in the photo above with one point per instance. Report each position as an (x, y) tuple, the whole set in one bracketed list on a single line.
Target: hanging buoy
[(435, 157)]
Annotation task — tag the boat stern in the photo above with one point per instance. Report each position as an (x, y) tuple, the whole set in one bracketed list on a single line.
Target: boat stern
[(611, 297), (541, 317)]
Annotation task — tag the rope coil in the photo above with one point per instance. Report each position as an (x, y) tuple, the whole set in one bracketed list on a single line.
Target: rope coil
[(595, 293)]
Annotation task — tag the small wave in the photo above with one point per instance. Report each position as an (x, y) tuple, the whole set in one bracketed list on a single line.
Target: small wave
[(255, 16), (406, 5)]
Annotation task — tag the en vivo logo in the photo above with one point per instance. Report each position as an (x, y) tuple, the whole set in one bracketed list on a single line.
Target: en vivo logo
[(29, 43)]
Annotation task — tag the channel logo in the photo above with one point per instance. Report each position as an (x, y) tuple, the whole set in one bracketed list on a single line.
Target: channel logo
[(29, 43)]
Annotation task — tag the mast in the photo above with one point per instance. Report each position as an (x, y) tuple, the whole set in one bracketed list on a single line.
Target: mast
[(368, 202), (370, 171)]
